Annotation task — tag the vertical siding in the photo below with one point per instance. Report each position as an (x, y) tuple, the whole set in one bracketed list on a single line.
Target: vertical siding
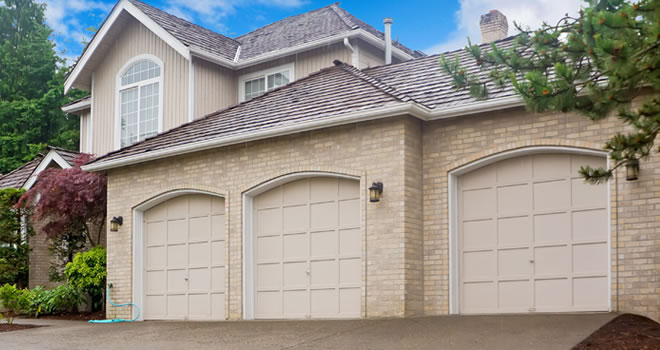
[(135, 40), (216, 87), (369, 56), (84, 122)]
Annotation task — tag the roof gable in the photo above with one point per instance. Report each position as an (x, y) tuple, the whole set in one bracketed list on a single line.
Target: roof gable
[(26, 175)]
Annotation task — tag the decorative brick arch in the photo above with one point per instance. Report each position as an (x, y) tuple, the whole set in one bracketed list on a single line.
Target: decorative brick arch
[(320, 170), (180, 190)]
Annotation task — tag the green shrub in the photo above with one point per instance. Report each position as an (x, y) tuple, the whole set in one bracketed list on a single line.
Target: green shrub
[(38, 301), (14, 301), (88, 273)]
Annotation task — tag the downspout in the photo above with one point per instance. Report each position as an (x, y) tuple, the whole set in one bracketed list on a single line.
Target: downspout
[(354, 53)]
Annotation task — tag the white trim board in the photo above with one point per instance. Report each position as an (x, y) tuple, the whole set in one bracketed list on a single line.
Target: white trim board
[(138, 241), (78, 106), (291, 67), (51, 156), (452, 191), (248, 244)]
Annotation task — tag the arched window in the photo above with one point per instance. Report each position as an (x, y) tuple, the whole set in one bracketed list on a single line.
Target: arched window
[(139, 89)]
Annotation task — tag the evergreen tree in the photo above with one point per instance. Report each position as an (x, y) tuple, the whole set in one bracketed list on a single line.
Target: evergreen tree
[(594, 64), (31, 86)]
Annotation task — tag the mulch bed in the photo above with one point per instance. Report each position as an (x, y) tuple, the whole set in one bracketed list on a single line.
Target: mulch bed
[(4, 327), (75, 316), (625, 332)]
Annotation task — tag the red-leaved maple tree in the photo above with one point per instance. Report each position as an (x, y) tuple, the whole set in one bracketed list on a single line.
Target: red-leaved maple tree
[(70, 200)]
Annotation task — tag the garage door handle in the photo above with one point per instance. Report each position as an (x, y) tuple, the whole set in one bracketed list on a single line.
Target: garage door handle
[(531, 261), (185, 278), (308, 272)]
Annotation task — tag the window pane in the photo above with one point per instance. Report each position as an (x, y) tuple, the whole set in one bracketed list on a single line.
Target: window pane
[(254, 88), (129, 108), (148, 111), (278, 79), (141, 70)]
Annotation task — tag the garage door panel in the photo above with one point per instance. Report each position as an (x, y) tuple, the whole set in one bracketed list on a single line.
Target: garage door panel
[(155, 282), (323, 215), (296, 303), (218, 278), (552, 294), (294, 275), (349, 271), (177, 231), (349, 302), (515, 231), (514, 200), (269, 248), (269, 221), (479, 297), (200, 254), (199, 279), (533, 236), (514, 263), (349, 213), (155, 233), (552, 195), (156, 257), (349, 189), (296, 218), (553, 260), (514, 170), (200, 229), (296, 246), (296, 193), (200, 205), (323, 189), (479, 204), (269, 199), (324, 244), (349, 242), (479, 265), (587, 258), (551, 166), (269, 276), (514, 296), (177, 256), (324, 302), (218, 253), (588, 195), (269, 304), (590, 225), (218, 227), (187, 267), (552, 228), (324, 273), (590, 292)]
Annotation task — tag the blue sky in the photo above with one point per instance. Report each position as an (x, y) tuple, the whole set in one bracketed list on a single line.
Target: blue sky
[(429, 25)]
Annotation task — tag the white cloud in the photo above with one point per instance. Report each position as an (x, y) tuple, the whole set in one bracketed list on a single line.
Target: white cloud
[(62, 16), (529, 13)]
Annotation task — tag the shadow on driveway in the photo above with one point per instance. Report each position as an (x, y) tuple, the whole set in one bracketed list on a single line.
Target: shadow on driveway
[(557, 331)]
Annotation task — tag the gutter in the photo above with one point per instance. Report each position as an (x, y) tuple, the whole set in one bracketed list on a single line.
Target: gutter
[(78, 106), (402, 108)]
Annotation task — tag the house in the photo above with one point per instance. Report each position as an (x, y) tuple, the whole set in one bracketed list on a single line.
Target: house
[(307, 179), (25, 177)]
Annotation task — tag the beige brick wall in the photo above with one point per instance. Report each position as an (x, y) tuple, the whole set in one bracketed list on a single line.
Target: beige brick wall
[(371, 150), (635, 206), (39, 261), (406, 250)]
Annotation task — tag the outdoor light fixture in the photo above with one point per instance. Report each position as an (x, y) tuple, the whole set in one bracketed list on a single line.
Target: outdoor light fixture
[(116, 222), (632, 169), (374, 192)]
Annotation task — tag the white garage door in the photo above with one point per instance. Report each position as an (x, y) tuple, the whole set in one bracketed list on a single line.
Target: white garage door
[(184, 276), (533, 237), (307, 250)]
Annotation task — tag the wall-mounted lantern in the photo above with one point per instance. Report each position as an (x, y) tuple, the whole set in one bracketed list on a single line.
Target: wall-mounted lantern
[(116, 222), (632, 169), (375, 191)]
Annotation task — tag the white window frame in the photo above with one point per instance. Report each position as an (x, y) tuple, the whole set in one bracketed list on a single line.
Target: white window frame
[(264, 73), (119, 88)]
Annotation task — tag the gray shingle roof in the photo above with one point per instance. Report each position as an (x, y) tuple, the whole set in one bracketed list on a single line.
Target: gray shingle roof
[(191, 34), (19, 176), (310, 26), (86, 98), (329, 93)]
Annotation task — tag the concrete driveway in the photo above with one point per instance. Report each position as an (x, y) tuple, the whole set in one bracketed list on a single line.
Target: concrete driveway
[(444, 332)]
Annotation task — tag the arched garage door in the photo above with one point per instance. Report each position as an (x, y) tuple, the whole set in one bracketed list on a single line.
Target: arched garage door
[(533, 237), (184, 250), (307, 250)]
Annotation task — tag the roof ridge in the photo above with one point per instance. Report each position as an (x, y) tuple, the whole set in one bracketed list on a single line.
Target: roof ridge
[(342, 14), (377, 83), (281, 20)]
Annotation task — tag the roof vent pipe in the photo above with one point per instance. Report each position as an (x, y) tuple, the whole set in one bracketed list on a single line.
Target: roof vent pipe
[(388, 40)]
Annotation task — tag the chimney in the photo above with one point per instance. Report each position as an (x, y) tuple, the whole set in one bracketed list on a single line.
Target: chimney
[(494, 26), (388, 40)]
